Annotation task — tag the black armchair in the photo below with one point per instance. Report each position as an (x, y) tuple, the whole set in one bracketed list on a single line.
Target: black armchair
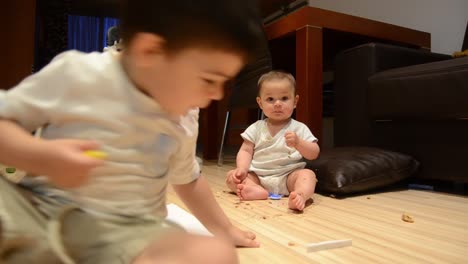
[(244, 91), (405, 100)]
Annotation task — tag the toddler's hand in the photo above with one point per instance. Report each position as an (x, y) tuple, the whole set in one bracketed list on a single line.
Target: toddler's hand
[(237, 175), (292, 140), (65, 163), (243, 238)]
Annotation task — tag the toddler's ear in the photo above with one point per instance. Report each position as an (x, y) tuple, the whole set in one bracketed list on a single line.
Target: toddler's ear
[(145, 46)]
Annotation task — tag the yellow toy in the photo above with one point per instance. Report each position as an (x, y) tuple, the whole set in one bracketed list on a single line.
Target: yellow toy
[(97, 154), (460, 53), (15, 175)]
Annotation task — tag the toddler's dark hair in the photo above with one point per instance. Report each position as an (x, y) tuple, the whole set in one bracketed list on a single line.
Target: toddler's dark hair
[(230, 25)]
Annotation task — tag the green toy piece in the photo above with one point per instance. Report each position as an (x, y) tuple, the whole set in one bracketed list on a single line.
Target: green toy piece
[(10, 170)]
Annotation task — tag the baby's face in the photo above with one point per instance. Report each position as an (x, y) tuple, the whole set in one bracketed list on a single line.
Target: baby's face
[(277, 99), (187, 79)]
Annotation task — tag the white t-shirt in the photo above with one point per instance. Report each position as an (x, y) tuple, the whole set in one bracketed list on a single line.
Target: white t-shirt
[(272, 157), (88, 96)]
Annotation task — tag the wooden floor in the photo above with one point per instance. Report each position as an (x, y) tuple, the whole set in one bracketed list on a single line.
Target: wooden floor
[(439, 233)]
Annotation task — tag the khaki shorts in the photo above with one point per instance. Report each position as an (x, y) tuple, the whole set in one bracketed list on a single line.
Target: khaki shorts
[(70, 235)]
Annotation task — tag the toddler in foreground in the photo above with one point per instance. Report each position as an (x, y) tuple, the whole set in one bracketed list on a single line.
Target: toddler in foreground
[(140, 107)]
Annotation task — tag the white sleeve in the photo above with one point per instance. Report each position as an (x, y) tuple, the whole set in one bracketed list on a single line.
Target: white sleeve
[(184, 167), (251, 133), (33, 101), (304, 133)]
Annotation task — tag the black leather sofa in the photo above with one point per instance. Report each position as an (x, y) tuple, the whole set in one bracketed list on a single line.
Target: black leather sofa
[(405, 100)]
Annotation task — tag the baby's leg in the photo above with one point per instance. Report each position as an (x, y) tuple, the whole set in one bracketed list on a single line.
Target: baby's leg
[(251, 189), (177, 247), (301, 185)]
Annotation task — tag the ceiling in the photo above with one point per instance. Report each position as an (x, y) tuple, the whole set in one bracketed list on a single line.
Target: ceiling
[(110, 7)]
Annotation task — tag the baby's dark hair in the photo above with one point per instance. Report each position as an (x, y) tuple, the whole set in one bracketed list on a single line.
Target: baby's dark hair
[(276, 75), (230, 25)]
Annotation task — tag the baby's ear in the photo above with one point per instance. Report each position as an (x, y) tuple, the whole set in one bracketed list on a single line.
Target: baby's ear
[(296, 100), (259, 102)]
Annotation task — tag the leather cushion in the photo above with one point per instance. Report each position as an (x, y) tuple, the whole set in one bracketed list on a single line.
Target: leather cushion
[(355, 169)]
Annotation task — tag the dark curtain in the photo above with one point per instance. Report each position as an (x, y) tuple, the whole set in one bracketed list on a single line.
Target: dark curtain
[(84, 33), (87, 33), (57, 31), (51, 31)]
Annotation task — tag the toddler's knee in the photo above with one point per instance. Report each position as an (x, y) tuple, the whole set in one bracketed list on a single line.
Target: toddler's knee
[(206, 250), (221, 251), (186, 248)]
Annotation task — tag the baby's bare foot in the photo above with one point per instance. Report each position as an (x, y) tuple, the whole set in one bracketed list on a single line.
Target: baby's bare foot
[(296, 201), (251, 192)]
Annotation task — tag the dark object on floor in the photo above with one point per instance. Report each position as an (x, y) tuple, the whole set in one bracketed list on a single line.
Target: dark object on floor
[(457, 188), (358, 169), (415, 186)]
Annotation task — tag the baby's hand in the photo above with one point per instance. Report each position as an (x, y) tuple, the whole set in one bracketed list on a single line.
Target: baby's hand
[(237, 175), (243, 238), (65, 163), (292, 140)]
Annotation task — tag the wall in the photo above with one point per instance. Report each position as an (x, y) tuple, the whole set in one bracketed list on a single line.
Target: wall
[(445, 19), (17, 40)]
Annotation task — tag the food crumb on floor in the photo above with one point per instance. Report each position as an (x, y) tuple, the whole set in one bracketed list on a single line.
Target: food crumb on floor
[(407, 218)]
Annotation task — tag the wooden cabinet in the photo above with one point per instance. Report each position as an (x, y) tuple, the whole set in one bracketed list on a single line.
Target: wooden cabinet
[(17, 20)]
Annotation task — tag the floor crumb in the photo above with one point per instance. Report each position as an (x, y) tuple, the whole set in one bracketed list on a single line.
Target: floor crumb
[(407, 218)]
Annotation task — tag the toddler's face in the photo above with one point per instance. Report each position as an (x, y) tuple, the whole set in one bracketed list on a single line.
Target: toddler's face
[(189, 78), (277, 99)]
